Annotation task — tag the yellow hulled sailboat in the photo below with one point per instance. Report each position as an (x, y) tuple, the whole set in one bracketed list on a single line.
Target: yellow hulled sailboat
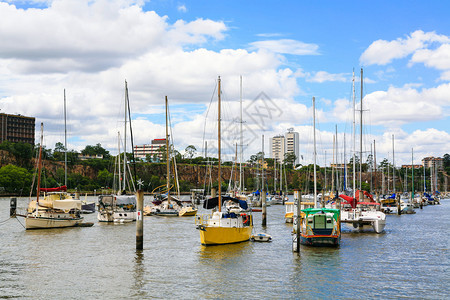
[(234, 224)]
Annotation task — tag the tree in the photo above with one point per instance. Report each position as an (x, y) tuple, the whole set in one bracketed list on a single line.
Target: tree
[(289, 159), (15, 179), (95, 150), (189, 152), (384, 165), (447, 162), (161, 154), (105, 178)]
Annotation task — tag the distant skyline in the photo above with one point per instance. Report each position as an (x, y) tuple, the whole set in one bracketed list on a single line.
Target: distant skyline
[(286, 54)]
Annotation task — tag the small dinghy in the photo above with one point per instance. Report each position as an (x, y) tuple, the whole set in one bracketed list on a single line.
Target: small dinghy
[(261, 237)]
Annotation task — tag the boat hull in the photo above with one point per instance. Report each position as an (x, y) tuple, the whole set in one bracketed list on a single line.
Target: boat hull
[(320, 241), (88, 208), (32, 222), (118, 217), (170, 213), (224, 235), (187, 212)]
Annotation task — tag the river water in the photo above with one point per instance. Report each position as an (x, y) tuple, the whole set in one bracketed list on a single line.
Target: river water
[(409, 260)]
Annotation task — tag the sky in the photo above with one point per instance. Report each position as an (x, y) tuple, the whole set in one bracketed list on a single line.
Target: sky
[(277, 55)]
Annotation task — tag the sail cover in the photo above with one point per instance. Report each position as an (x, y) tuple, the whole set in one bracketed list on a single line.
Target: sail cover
[(56, 189), (125, 199), (213, 202)]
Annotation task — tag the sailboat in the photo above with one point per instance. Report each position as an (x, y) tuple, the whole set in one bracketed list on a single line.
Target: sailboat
[(231, 225), (166, 204), (120, 207), (362, 214), (56, 209), (319, 226)]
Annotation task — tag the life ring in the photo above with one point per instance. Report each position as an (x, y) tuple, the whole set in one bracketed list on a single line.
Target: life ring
[(245, 218)]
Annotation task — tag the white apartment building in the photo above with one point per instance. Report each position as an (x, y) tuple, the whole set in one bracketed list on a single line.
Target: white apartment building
[(293, 144), (141, 151), (280, 145)]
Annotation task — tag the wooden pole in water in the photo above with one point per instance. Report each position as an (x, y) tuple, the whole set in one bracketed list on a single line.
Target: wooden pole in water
[(263, 192), (298, 220), (140, 220)]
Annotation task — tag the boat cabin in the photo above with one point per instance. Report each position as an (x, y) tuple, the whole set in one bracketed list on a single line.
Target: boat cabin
[(321, 223)]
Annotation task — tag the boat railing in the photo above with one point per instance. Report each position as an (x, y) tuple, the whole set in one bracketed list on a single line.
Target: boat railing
[(202, 219)]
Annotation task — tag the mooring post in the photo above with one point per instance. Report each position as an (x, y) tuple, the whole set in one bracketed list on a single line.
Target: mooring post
[(264, 208), (297, 220), (399, 208), (140, 220), (12, 207), (213, 193)]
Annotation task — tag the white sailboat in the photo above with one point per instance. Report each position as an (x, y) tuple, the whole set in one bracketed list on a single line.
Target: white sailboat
[(231, 225), (56, 209), (120, 207), (169, 206), (355, 210)]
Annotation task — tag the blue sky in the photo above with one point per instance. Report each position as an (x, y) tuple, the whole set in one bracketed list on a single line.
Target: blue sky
[(291, 50)]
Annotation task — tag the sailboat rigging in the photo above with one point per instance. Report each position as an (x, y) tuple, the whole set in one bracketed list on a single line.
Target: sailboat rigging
[(224, 227), (120, 207)]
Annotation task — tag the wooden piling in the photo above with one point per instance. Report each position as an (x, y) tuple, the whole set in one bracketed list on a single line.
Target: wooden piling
[(264, 208), (297, 221), (140, 220), (12, 207)]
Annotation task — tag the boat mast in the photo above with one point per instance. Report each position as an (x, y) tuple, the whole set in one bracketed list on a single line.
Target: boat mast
[(167, 155), (337, 162), (125, 140), (354, 136), (375, 165), (412, 175), (345, 167), (219, 152), (325, 180), (360, 134), (241, 175), (393, 165), (119, 163), (315, 153), (65, 141), (39, 167)]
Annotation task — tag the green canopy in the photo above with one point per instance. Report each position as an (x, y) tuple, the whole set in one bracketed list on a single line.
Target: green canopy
[(312, 211)]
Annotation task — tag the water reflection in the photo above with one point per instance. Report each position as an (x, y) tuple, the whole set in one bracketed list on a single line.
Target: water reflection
[(139, 274)]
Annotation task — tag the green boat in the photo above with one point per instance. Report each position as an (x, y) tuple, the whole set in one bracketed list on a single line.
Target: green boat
[(320, 227)]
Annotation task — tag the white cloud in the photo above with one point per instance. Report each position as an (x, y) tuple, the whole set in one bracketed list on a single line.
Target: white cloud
[(322, 76), (286, 46), (91, 35), (182, 8), (398, 106), (438, 59), (111, 43), (382, 52)]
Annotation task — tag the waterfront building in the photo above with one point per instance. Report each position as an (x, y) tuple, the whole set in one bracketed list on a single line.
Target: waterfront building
[(88, 156), (17, 128), (433, 162), (278, 148), (289, 143), (141, 151), (411, 166), (293, 144)]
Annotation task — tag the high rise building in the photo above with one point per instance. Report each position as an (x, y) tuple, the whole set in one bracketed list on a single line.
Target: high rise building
[(141, 151), (293, 144), (433, 162), (278, 147), (17, 128)]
